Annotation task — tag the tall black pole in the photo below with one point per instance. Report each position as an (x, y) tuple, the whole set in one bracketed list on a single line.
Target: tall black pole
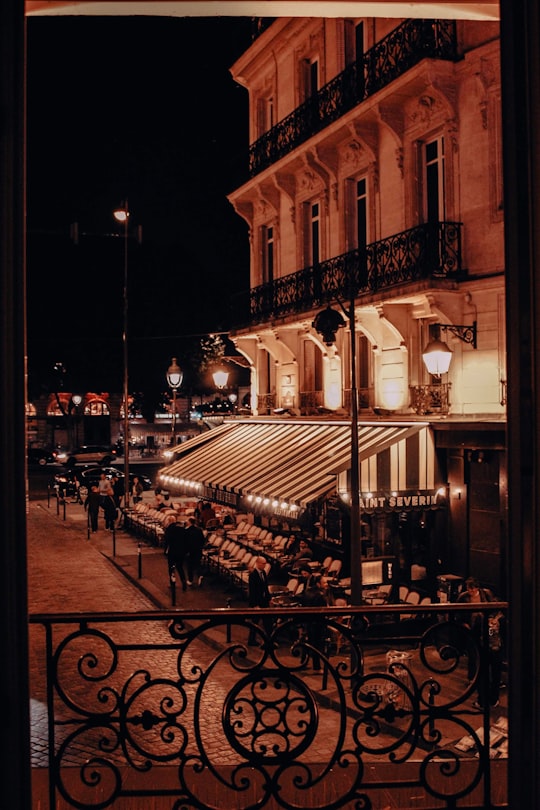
[(355, 530), (174, 418), (126, 365)]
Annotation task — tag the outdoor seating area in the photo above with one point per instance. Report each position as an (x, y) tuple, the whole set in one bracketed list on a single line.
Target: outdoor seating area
[(231, 551)]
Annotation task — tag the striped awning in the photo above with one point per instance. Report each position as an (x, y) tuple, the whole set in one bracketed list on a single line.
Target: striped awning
[(297, 462)]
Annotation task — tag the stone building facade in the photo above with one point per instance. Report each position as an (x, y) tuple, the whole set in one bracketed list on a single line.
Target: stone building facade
[(375, 189)]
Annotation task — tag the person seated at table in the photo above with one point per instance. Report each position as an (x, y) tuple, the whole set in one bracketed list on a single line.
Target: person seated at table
[(303, 555), (228, 521), (158, 501), (306, 577), (207, 515)]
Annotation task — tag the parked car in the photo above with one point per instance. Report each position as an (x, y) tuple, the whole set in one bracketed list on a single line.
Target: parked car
[(70, 481), (41, 456), (91, 454)]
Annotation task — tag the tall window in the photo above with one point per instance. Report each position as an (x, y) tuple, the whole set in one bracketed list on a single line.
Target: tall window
[(357, 214), (363, 356), (359, 41), (311, 77), (354, 40), (315, 233), (265, 114), (434, 202), (267, 254), (361, 213)]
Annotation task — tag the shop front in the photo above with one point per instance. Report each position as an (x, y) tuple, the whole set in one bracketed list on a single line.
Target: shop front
[(294, 476)]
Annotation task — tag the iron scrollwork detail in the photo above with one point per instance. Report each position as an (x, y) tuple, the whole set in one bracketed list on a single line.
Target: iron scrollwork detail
[(182, 706)]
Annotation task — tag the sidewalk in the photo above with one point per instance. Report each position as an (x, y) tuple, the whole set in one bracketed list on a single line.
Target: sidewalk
[(143, 565)]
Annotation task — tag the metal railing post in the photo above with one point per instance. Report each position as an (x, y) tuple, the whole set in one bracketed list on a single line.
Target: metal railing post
[(173, 588)]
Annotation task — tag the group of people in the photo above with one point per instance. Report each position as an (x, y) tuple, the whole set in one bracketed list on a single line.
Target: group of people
[(314, 594), (107, 496), (183, 545)]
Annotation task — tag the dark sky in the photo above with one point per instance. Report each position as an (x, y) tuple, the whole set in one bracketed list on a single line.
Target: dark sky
[(143, 109)]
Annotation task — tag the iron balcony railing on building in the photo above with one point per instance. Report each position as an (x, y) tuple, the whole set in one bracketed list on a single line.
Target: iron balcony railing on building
[(311, 402), (427, 251), (390, 58), (365, 398), (266, 403), (323, 709), (427, 399)]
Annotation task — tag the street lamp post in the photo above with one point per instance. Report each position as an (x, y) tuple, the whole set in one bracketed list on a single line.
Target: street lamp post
[(122, 215), (327, 322), (76, 399), (174, 380)]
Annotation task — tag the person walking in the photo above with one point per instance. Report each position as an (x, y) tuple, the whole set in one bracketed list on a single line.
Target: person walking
[(175, 548), (195, 542), (105, 489), (117, 485), (258, 597), (109, 510), (91, 505)]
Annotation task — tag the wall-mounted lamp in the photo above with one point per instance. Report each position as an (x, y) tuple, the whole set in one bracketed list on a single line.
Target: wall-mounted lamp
[(437, 355)]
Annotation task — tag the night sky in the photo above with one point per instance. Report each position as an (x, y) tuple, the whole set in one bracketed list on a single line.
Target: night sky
[(143, 109)]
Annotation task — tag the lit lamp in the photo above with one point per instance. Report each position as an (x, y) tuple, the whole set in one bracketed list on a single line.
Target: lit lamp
[(121, 215), (221, 378), (437, 355), (174, 380)]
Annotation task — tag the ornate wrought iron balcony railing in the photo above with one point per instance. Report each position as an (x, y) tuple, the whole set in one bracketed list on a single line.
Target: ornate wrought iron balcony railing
[(390, 58), (427, 399), (317, 714), (428, 251)]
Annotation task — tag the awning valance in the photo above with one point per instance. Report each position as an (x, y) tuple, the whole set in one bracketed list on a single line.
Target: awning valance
[(297, 462)]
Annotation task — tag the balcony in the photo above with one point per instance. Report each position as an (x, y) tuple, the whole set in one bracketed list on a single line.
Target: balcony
[(390, 58), (429, 399), (428, 251), (178, 705)]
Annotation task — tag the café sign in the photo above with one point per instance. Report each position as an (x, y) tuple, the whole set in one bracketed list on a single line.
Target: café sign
[(419, 500)]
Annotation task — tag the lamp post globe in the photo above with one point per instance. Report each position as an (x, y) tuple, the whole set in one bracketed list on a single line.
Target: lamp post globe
[(221, 378)]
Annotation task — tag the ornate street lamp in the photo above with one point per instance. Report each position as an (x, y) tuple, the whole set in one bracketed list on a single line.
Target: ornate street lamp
[(76, 399), (437, 355), (174, 380), (122, 215), (327, 323)]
